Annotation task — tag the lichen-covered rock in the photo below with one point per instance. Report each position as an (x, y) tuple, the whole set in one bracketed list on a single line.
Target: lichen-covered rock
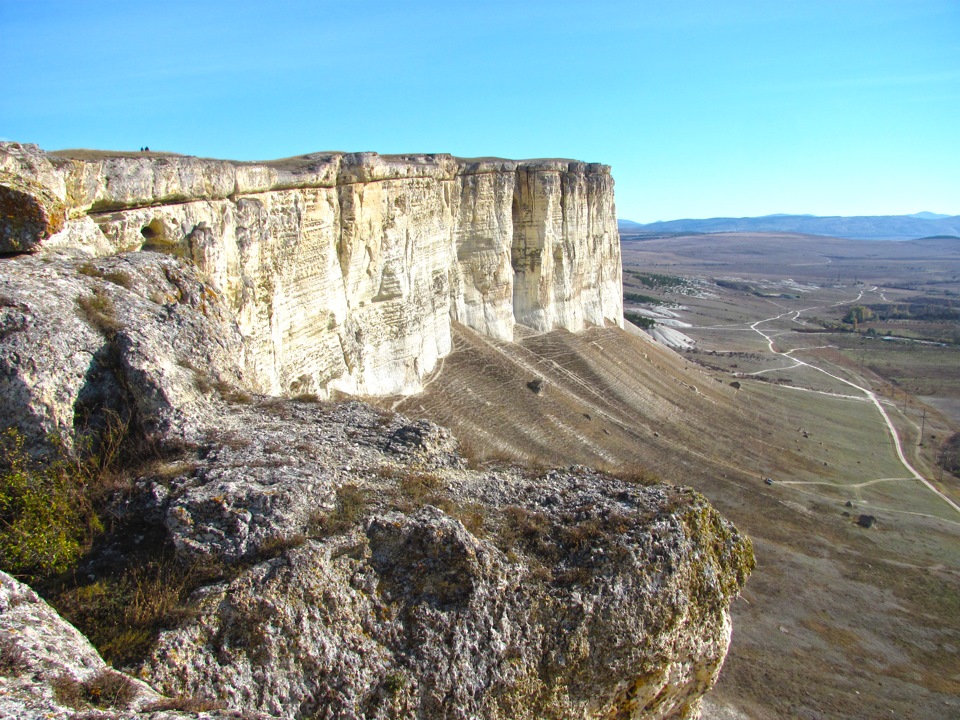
[(49, 671), (136, 336), (389, 584), (598, 604), (344, 271), (266, 473)]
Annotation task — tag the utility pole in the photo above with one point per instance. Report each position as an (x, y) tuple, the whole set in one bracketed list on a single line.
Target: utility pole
[(923, 424)]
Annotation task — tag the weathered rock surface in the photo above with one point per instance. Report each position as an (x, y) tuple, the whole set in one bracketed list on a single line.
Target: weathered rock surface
[(375, 576), (138, 337), (44, 662), (408, 586), (344, 271)]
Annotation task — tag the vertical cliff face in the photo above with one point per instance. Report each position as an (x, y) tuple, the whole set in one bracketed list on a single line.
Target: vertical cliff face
[(344, 271)]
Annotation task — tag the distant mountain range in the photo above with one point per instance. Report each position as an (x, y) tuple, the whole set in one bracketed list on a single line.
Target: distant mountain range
[(863, 227)]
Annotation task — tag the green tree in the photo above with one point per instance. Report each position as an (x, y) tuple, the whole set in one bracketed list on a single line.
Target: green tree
[(858, 314), (46, 518)]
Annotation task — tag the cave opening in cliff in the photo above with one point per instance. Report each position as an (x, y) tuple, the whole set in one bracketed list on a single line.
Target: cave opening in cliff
[(155, 237)]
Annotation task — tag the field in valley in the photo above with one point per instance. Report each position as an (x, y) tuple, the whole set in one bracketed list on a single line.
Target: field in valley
[(769, 309), (838, 620)]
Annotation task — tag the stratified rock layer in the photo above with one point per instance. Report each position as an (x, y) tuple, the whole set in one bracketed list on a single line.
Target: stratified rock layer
[(344, 271)]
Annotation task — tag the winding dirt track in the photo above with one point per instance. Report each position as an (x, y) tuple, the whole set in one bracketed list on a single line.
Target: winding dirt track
[(869, 394)]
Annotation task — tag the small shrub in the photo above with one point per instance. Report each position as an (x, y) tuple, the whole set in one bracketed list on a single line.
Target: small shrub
[(232, 439), (109, 689), (527, 530), (416, 486), (89, 269), (98, 310), (202, 383), (68, 691), (278, 544), (637, 476), (233, 394), (46, 518), (122, 614), (119, 277), (352, 503), (106, 689), (183, 704), (12, 660), (306, 398), (473, 517), (395, 682), (277, 407)]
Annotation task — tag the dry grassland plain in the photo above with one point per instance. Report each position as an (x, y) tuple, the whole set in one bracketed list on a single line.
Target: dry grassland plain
[(838, 620), (877, 611)]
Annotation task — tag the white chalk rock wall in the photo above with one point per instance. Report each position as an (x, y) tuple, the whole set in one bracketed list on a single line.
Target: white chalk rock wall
[(344, 272)]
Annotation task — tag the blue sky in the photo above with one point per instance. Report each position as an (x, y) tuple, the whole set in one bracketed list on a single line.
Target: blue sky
[(840, 107)]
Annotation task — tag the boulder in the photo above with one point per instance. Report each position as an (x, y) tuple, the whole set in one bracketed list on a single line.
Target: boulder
[(49, 671), (376, 586), (138, 337)]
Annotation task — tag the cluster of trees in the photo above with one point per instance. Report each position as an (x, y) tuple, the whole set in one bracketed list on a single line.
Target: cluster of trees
[(640, 320), (655, 280), (858, 314), (950, 454), (933, 309), (638, 298)]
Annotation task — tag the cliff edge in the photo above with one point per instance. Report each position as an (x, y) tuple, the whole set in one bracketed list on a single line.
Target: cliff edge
[(344, 271)]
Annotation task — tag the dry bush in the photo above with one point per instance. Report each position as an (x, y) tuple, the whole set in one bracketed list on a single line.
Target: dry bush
[(202, 382), (636, 475), (278, 544), (12, 660), (306, 398), (473, 517), (100, 312), (122, 613), (479, 456), (233, 394), (352, 504), (68, 691), (119, 277), (183, 703), (106, 689)]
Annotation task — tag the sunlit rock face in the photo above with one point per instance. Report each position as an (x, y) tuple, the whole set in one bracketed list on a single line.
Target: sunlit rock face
[(344, 271)]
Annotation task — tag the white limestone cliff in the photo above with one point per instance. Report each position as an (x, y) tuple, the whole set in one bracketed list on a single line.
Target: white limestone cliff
[(344, 271)]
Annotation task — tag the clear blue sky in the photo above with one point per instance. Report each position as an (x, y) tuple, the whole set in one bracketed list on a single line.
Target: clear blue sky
[(703, 108)]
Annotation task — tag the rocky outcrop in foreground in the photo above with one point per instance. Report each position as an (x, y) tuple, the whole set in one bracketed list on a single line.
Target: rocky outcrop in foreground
[(343, 271), (373, 575)]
